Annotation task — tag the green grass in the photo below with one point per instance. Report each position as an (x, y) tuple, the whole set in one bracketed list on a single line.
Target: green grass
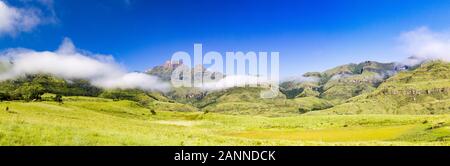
[(96, 121), (332, 135)]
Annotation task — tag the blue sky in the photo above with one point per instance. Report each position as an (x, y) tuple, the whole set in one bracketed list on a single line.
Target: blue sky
[(310, 35)]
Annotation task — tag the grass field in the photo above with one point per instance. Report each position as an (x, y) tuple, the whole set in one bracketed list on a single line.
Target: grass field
[(95, 121)]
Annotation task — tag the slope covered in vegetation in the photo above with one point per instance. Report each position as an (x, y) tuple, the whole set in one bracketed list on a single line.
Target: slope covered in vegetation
[(98, 121), (424, 90), (341, 83)]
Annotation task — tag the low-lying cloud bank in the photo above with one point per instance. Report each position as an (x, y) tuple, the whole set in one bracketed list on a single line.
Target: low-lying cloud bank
[(237, 81), (425, 44), (69, 63), (301, 79)]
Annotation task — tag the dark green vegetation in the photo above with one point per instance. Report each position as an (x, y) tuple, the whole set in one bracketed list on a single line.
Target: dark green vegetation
[(32, 87)]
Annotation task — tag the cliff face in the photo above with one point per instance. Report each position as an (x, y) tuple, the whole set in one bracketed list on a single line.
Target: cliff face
[(342, 82), (424, 90), (165, 70)]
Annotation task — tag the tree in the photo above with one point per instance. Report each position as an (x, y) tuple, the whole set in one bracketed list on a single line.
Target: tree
[(152, 111), (29, 91), (58, 98), (4, 96)]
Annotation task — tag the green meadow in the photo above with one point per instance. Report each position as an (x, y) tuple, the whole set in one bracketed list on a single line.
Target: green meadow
[(98, 121)]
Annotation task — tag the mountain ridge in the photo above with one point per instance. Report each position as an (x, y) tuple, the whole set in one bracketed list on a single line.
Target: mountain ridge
[(424, 90), (364, 88)]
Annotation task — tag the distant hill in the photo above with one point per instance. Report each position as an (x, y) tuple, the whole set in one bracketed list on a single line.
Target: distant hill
[(424, 90), (314, 91), (247, 101), (343, 82), (295, 88), (165, 70), (337, 84), (244, 100)]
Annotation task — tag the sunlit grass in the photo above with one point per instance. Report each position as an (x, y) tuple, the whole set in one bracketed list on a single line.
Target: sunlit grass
[(93, 121), (330, 135)]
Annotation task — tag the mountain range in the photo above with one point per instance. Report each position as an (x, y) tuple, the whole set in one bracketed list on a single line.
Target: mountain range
[(365, 88)]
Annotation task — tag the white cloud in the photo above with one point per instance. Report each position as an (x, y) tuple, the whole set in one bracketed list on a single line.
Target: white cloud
[(236, 81), (69, 63), (425, 44), (14, 20), (301, 79), (340, 76)]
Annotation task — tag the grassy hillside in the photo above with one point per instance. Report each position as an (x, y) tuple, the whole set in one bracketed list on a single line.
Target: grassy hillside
[(340, 83), (244, 101), (97, 121), (293, 89), (247, 101), (424, 90), (344, 87)]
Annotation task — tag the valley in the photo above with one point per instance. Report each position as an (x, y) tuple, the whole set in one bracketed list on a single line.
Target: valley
[(357, 104)]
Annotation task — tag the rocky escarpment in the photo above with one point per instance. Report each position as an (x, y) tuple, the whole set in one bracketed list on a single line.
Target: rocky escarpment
[(342, 82), (425, 90)]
